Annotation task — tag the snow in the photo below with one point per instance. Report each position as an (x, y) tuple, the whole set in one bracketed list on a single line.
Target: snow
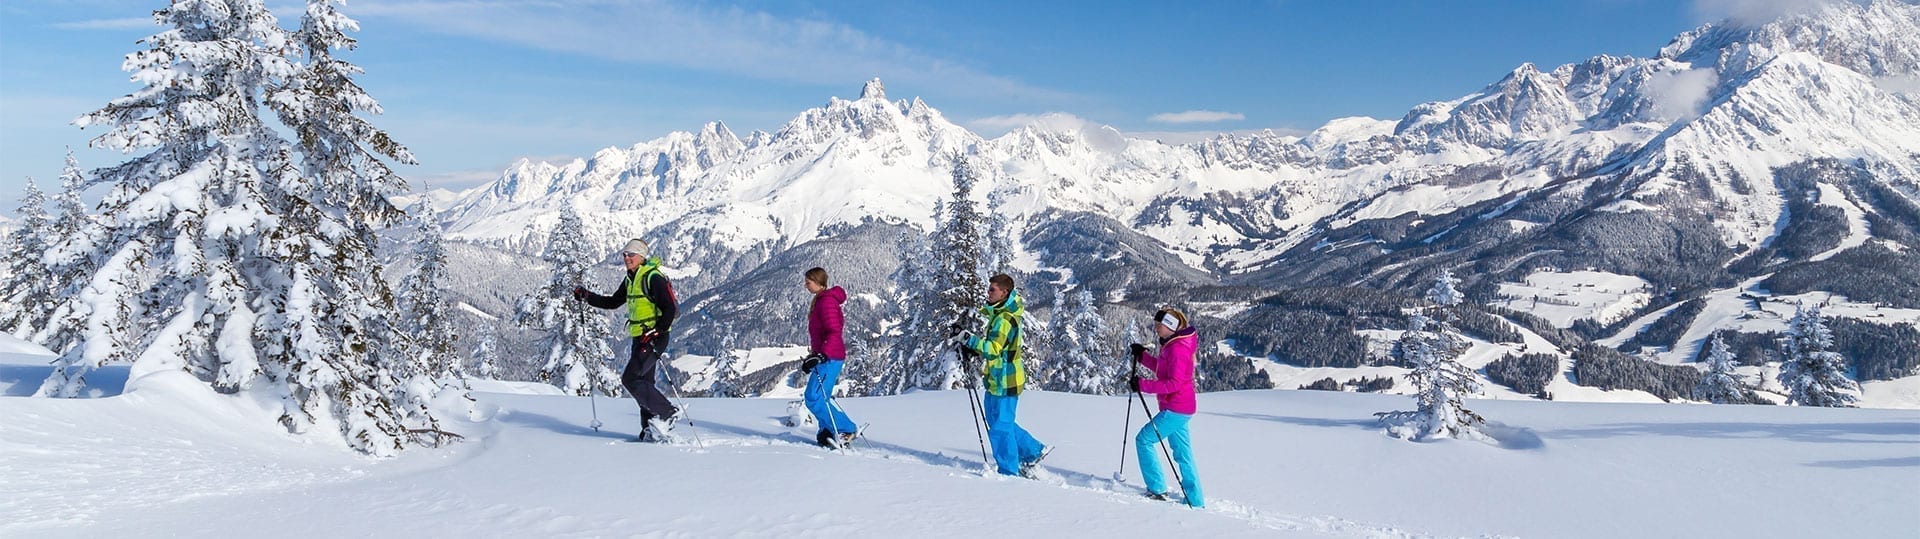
[(700, 375), (176, 459), (1857, 232), (470, 309), (1901, 393), (1562, 298), (1429, 199)]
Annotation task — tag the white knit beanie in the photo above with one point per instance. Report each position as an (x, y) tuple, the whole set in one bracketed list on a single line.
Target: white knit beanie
[(635, 246)]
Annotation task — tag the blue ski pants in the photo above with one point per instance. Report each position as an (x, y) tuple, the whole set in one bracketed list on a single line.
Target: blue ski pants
[(819, 398), (1171, 426), (1012, 445)]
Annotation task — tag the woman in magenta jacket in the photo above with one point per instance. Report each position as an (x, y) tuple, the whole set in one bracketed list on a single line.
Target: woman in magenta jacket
[(1172, 383), (828, 354)]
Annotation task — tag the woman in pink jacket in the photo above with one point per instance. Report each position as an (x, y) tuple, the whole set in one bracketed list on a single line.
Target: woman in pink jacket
[(828, 353), (1172, 383)]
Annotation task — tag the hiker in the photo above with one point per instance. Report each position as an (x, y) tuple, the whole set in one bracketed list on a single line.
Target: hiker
[(827, 354), (1015, 451), (1172, 384), (648, 296)]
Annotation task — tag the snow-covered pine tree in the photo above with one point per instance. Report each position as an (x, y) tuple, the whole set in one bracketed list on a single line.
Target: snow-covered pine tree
[(575, 347), (486, 356), (341, 200), (917, 329), (1812, 372), (192, 223), (425, 311), (220, 218), (1445, 290), (1432, 348), (960, 289), (726, 369), (1720, 384), (27, 292), (72, 226), (1083, 355), (857, 379)]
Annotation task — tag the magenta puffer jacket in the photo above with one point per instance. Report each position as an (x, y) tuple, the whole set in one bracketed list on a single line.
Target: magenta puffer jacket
[(1173, 372), (824, 322)]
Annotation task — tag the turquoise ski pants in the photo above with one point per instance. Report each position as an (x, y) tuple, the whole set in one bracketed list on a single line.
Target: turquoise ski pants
[(1172, 426)]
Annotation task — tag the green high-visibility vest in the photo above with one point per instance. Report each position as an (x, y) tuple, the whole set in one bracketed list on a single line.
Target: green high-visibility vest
[(641, 312)]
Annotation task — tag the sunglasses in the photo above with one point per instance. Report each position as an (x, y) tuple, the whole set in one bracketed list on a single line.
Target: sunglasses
[(629, 254)]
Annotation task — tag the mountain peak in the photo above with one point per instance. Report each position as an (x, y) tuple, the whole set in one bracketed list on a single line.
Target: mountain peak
[(1876, 39), (873, 89)]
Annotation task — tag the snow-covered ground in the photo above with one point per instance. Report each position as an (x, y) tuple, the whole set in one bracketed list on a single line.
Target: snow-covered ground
[(169, 457), (1562, 298)]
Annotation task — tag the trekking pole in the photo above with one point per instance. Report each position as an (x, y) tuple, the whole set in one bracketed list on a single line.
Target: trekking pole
[(979, 412), (1126, 431), (592, 402), (594, 405), (667, 371)]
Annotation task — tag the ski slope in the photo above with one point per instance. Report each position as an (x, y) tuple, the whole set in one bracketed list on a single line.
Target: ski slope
[(169, 457)]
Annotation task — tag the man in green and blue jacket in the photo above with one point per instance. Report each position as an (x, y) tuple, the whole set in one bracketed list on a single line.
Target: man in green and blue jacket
[(1014, 450)]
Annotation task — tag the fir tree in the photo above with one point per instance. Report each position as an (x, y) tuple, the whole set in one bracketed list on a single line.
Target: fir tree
[(1720, 385), (958, 288), (27, 294), (424, 307), (192, 220), (1813, 373), (1432, 348), (235, 255), (728, 373), (66, 259), (1083, 356), (486, 357), (1445, 290), (575, 351), (919, 330)]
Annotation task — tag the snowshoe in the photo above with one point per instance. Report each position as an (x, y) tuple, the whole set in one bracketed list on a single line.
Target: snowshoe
[(1164, 496), (830, 440), (660, 431), (1026, 468), (797, 415)]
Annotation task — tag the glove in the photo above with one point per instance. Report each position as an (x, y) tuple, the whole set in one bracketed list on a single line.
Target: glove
[(812, 360), (968, 351), (1136, 350), (1133, 382), (579, 293), (650, 337)]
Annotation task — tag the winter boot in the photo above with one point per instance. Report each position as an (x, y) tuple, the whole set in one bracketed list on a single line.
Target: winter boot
[(1026, 468)]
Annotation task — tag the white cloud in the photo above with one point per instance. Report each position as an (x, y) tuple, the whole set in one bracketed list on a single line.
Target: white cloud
[(1188, 137), (1752, 12), (454, 181), (1196, 116), (1679, 94), (129, 23), (700, 37), (1003, 123)]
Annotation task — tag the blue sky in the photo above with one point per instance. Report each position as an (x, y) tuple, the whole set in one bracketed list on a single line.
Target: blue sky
[(471, 85)]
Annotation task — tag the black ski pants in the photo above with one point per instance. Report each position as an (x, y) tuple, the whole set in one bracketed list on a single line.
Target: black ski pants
[(639, 381)]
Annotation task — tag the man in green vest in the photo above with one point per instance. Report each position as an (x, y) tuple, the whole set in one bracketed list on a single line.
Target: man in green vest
[(651, 307)]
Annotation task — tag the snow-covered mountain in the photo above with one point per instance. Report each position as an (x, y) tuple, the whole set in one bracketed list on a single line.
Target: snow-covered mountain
[(1683, 170)]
